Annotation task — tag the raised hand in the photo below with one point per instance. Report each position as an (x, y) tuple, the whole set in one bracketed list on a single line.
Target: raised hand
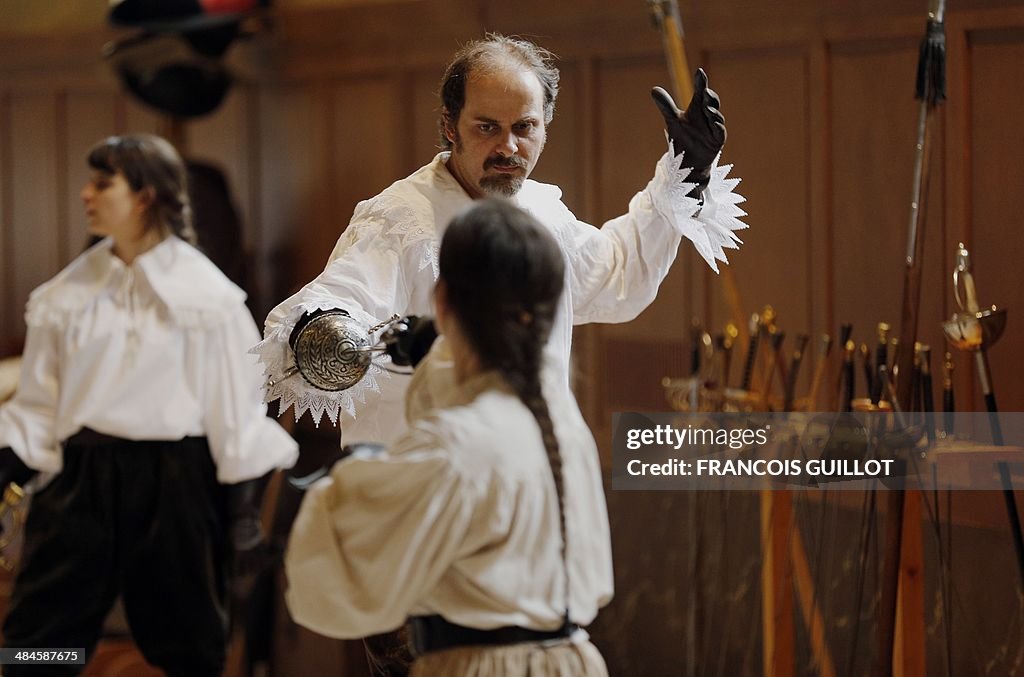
[(699, 131)]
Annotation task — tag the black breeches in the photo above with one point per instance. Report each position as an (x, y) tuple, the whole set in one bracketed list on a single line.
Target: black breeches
[(141, 519)]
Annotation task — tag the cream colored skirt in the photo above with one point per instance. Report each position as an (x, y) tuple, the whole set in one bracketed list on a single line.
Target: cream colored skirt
[(565, 658)]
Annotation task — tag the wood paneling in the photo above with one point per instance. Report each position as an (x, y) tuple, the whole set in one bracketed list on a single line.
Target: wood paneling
[(7, 307), (137, 118), (874, 132), (768, 144), (996, 180), (35, 235), (566, 146), (421, 110), (223, 139), (286, 182), (630, 142), (369, 141), (88, 117)]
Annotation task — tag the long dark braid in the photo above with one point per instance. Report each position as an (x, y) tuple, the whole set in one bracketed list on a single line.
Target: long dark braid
[(503, 274)]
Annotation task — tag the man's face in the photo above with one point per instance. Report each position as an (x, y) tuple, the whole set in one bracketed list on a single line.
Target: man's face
[(500, 133)]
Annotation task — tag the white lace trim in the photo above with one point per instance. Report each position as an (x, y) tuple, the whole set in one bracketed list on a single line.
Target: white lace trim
[(399, 227), (710, 228), (402, 227), (294, 391)]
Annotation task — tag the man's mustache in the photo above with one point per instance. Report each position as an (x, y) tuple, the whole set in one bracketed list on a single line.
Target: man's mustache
[(505, 162)]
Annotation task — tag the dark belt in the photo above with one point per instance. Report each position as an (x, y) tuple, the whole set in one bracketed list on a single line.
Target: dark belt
[(87, 437), (433, 633)]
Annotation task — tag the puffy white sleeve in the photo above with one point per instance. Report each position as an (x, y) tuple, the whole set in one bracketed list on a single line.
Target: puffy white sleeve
[(243, 441), (366, 278), (615, 270), (373, 537), (28, 421)]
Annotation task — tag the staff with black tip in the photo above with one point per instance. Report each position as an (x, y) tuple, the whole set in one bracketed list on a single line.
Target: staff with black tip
[(931, 91)]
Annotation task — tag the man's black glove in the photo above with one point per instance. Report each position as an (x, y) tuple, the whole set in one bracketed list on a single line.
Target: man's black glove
[(13, 469), (245, 531), (409, 340), (699, 131)]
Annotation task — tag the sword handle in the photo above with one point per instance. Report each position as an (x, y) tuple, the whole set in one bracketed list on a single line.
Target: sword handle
[(755, 339), (927, 397), (794, 368), (847, 403), (819, 372), (11, 504), (948, 401), (845, 332), (865, 355)]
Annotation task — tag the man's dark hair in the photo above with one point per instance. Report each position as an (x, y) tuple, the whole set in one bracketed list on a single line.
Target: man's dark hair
[(495, 51)]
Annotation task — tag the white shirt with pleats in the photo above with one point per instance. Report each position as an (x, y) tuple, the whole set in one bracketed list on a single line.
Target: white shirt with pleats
[(155, 350)]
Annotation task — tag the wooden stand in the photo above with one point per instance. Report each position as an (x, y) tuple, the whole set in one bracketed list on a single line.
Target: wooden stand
[(957, 464)]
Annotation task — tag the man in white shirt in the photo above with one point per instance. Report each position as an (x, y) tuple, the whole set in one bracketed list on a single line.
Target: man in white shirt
[(498, 96)]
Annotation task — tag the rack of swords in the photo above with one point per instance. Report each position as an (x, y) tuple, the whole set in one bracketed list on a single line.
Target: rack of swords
[(849, 373), (853, 376), (868, 373)]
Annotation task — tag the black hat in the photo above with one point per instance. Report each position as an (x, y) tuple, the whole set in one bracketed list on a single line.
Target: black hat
[(173, 64), (180, 15), (164, 72), (184, 90)]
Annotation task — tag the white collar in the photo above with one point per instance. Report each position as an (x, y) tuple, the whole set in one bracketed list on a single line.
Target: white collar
[(184, 280)]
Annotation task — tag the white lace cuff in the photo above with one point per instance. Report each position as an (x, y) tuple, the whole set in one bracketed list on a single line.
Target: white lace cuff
[(294, 391), (711, 227)]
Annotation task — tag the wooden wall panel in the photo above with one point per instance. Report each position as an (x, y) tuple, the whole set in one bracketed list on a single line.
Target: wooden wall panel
[(135, 118), (224, 139), (630, 141), (89, 117), (996, 178), (369, 136), (35, 235), (286, 183), (420, 109), (874, 131), (768, 144), (564, 151), (7, 310)]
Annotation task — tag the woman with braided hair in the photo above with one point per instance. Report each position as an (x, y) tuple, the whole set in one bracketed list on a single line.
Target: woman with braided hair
[(485, 525)]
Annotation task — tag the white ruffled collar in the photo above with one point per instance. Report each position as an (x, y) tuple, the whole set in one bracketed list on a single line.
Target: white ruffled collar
[(179, 276)]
